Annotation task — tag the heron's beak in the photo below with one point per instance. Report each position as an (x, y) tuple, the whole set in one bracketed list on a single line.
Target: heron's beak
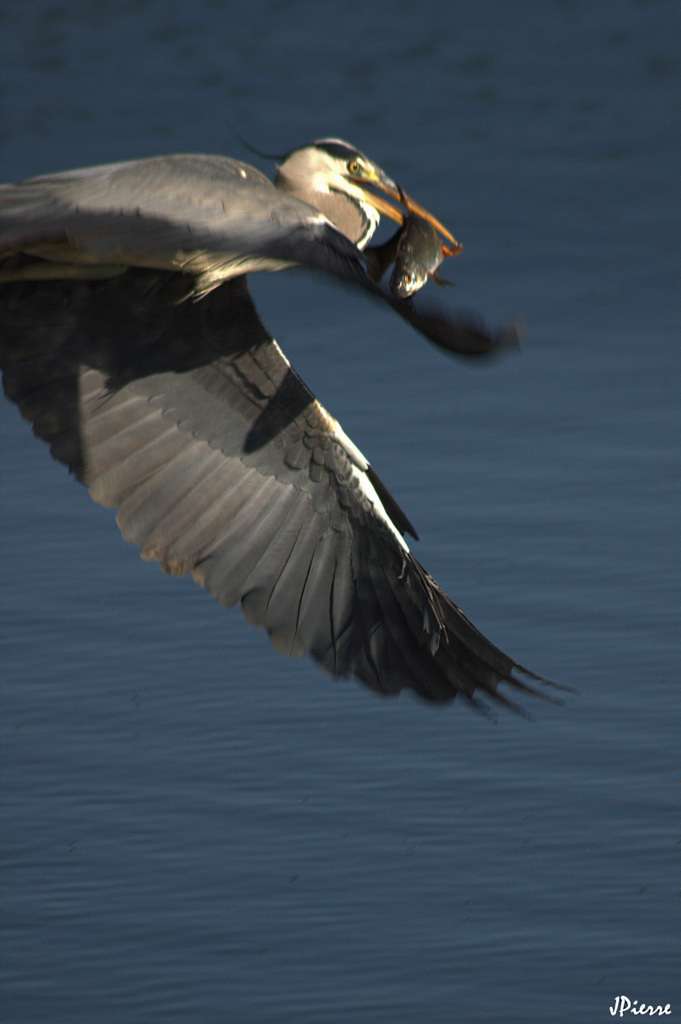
[(385, 184)]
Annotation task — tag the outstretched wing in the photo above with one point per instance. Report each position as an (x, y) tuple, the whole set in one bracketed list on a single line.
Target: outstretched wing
[(189, 419), (211, 217)]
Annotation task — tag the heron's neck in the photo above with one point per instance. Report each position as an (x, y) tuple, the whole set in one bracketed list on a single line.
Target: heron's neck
[(356, 220)]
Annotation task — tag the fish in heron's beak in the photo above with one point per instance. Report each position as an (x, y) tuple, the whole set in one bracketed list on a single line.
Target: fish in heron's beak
[(420, 251), (380, 181)]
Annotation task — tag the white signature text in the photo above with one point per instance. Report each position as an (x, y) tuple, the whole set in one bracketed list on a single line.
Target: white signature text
[(625, 1005)]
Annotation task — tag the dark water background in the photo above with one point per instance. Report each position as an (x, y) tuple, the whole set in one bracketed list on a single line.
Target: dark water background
[(197, 830)]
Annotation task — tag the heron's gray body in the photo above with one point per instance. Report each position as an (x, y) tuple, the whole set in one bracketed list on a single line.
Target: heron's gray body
[(187, 416), (209, 216)]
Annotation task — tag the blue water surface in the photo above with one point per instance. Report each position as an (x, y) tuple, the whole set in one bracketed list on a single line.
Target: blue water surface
[(197, 830)]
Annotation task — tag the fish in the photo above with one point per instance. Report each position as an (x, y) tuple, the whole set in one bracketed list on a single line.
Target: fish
[(420, 252), (417, 250)]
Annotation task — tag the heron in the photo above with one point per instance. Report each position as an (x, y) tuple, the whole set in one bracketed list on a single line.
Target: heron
[(130, 341)]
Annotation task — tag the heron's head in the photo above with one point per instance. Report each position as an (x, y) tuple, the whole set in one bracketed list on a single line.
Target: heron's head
[(348, 188)]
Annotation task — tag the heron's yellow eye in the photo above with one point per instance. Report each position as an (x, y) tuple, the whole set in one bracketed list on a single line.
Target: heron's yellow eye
[(354, 167)]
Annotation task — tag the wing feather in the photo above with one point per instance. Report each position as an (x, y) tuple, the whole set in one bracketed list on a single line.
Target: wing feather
[(227, 564), (282, 614), (166, 503)]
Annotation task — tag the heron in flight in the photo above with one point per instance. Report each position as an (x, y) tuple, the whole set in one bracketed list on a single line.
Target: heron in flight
[(130, 341)]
